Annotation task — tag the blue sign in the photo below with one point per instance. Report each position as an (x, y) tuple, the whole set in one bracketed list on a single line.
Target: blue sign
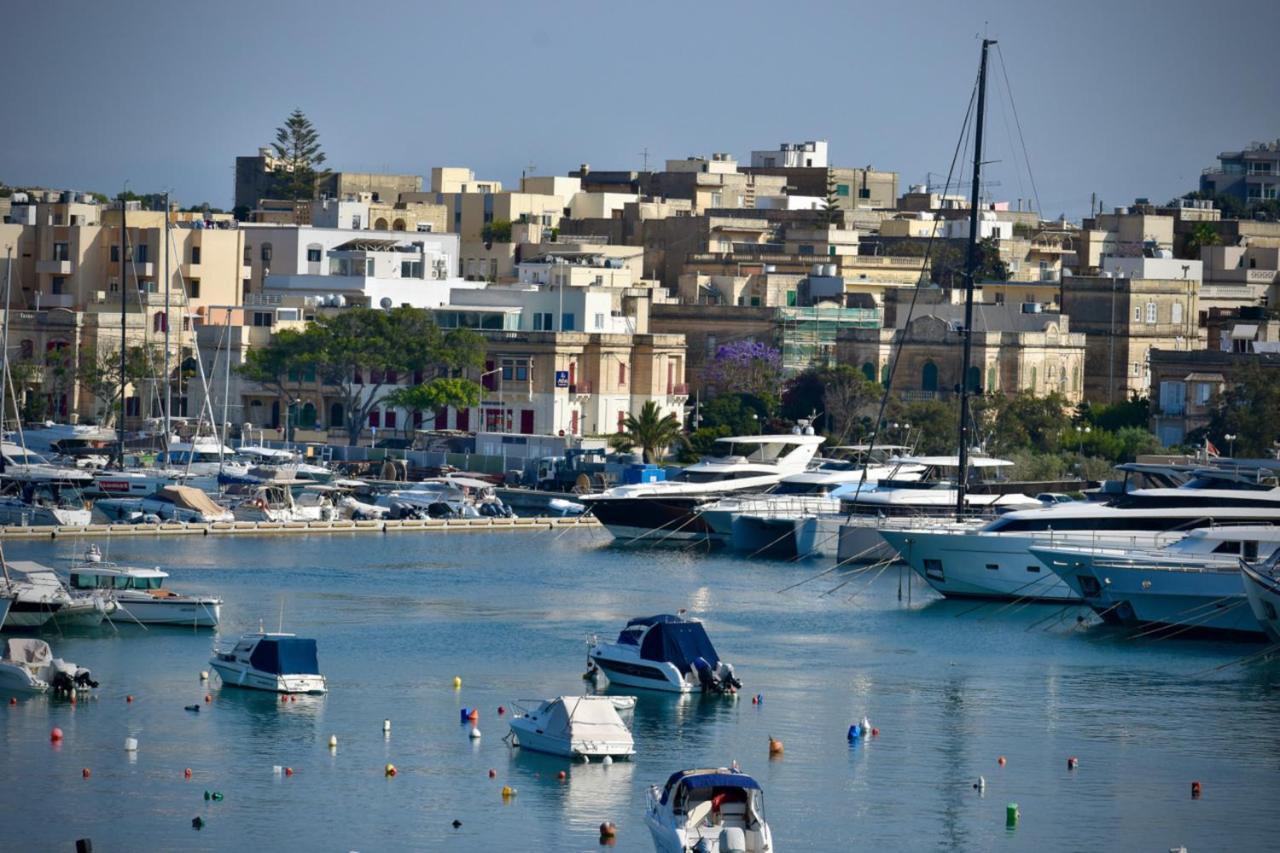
[(562, 379)]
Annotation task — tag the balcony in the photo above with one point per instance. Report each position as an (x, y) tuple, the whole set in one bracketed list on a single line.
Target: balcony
[(580, 389), (156, 300), (57, 300), (55, 267), (678, 391)]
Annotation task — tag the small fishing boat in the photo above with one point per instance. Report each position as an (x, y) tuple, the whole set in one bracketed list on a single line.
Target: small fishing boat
[(141, 595), (280, 663), (712, 810), (30, 667), (574, 727), (663, 652)]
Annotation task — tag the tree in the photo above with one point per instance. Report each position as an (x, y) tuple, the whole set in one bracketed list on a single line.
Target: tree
[(947, 260), (747, 367), (842, 396), (831, 205), (1249, 409), (297, 147), (1202, 234), (652, 432), (1024, 420), (430, 397), (270, 365), (497, 231), (98, 370)]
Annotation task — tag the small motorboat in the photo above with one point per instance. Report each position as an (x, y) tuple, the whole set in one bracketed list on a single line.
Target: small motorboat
[(280, 663), (712, 810), (663, 652), (168, 503), (574, 727), (141, 595), (30, 667), (41, 596)]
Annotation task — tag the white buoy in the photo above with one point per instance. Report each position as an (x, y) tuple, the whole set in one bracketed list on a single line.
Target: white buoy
[(586, 759), (130, 744), (386, 727), (866, 726), (333, 741), (277, 769), (475, 733), (981, 784), (204, 675), (608, 759)]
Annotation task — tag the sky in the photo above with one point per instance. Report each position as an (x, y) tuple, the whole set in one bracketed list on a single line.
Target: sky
[(1124, 98)]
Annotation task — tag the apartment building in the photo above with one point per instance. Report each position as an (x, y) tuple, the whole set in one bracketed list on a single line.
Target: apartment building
[(262, 177), (1251, 174)]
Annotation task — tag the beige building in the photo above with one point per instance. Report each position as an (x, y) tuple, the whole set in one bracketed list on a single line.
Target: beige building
[(1123, 233), (1013, 352)]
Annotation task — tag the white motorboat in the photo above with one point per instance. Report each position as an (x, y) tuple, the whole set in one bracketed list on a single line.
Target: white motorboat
[(716, 810), (1192, 583), (22, 464), (280, 663), (141, 595), (40, 596), (274, 500), (169, 503), (1262, 589), (573, 727), (994, 561), (30, 667), (666, 510), (445, 497), (664, 652), (203, 455), (44, 500)]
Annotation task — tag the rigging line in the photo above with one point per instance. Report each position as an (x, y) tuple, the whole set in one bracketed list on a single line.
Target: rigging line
[(1018, 123), (1269, 650), (915, 295)]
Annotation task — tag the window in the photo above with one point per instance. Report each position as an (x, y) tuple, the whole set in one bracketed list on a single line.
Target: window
[(842, 189), (57, 284), (1137, 313), (313, 256), (60, 252), (266, 253), (115, 254), (193, 288), (622, 374), (248, 255), (806, 248), (263, 318), (374, 420), (159, 322), (993, 567), (1035, 569), (195, 254), (566, 322), (933, 570), (864, 193), (1151, 312), (1204, 391), (411, 269), (141, 253), (390, 419), (1176, 313), (791, 302)]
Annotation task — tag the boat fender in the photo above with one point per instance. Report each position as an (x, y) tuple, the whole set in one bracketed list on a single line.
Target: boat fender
[(608, 759), (197, 822), (981, 784)]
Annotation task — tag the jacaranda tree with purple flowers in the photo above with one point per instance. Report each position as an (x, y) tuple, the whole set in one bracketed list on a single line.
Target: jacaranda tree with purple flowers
[(746, 367)]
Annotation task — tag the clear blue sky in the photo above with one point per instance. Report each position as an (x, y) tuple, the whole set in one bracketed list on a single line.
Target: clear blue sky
[(1120, 98)]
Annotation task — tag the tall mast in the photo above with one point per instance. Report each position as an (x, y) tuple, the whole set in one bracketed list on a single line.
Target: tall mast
[(168, 279), (124, 304), (4, 345), (970, 271)]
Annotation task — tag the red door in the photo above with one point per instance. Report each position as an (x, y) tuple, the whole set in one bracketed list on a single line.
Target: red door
[(526, 421), (464, 420), (442, 419)]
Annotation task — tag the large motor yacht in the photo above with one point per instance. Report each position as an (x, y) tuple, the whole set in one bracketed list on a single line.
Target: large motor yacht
[(666, 510)]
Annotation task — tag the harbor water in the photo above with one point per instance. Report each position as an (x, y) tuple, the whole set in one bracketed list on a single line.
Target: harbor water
[(952, 687)]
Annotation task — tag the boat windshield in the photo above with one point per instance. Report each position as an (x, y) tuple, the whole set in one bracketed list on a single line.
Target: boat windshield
[(752, 452), (81, 580)]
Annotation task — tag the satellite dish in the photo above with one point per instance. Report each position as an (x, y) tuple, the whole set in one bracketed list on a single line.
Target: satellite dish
[(386, 303)]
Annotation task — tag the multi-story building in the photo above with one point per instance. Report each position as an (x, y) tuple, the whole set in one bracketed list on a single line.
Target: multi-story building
[(1251, 175), (793, 155), (854, 188), (263, 176), (1136, 305)]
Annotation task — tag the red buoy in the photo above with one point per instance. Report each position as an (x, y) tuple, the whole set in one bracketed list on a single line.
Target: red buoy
[(293, 698), (493, 774), (562, 775), (1073, 763), (283, 698), (1195, 790), (186, 774), (128, 698), (875, 732), (288, 771), (501, 710), (72, 696), (208, 698), (1000, 761), (85, 773), (13, 700), (56, 735)]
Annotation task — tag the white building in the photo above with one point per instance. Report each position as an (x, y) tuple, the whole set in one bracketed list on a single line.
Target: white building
[(1166, 268), (793, 155)]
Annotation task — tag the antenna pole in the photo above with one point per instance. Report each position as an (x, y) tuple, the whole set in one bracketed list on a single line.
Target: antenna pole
[(970, 272), (124, 304)]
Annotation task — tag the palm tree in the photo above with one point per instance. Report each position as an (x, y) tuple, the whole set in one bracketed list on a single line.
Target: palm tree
[(1202, 234), (652, 432)]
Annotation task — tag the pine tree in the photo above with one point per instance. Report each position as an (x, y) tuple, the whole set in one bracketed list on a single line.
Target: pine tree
[(297, 148), (831, 207)]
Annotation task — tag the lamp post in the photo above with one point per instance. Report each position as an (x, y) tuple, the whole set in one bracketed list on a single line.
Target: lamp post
[(1231, 444), (1080, 434)]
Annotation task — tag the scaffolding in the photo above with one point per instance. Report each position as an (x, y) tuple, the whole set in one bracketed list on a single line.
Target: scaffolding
[(809, 334)]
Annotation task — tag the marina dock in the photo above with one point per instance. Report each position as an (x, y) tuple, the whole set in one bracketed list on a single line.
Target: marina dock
[(265, 528)]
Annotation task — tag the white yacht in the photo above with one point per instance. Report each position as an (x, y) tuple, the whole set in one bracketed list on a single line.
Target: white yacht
[(24, 465), (445, 497), (43, 500), (665, 510), (203, 455), (994, 561), (141, 596), (274, 500), (40, 596), (717, 810), (1262, 589), (920, 487), (1193, 582), (30, 667), (665, 652), (573, 727), (280, 663)]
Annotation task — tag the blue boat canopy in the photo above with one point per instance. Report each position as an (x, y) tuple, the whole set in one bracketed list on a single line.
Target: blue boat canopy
[(695, 780), (630, 635), (679, 643), (285, 656)]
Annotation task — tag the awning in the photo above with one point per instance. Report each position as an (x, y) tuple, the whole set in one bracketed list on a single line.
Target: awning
[(1244, 332), (1204, 377)]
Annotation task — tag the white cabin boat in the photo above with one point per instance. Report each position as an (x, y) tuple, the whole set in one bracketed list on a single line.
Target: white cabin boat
[(169, 503), (279, 663), (712, 810), (30, 667), (1262, 589), (40, 596), (573, 727), (141, 595), (664, 652)]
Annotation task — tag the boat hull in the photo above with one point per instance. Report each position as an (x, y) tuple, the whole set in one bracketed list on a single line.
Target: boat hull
[(234, 676), (646, 675), (651, 520), (30, 614), (760, 535), (529, 738), (966, 565), (1263, 593), (188, 613)]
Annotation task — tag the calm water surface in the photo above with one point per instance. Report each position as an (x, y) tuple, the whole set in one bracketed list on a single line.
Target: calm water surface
[(951, 688)]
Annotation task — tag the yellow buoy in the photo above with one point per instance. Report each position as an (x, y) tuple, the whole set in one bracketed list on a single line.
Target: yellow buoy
[(457, 682)]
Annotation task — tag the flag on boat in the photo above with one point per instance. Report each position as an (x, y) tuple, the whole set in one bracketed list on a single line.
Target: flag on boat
[(1209, 449)]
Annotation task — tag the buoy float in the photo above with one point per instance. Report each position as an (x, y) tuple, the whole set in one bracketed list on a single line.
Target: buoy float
[(1011, 815), (855, 732), (55, 734), (208, 698), (128, 698), (457, 683), (72, 696), (608, 759), (13, 700), (562, 775), (204, 675), (508, 792), (754, 700), (130, 744), (277, 769), (195, 708), (85, 773), (1195, 790), (464, 714), (775, 746), (333, 741), (288, 771), (474, 733), (474, 715), (186, 774), (390, 770), (875, 732), (456, 823), (197, 822), (386, 727), (866, 726), (1000, 761), (501, 710), (608, 829), (283, 698), (1073, 763), (293, 698), (981, 784), (217, 796), (493, 774)]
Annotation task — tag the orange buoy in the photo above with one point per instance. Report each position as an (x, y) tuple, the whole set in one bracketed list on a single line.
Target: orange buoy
[(288, 771), (1195, 790), (1000, 761), (56, 734), (474, 715), (208, 698), (186, 774), (493, 774), (72, 697), (775, 746), (85, 773), (608, 829)]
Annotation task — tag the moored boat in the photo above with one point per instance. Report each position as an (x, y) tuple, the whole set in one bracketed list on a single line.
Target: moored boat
[(573, 727), (276, 662), (717, 810), (664, 652)]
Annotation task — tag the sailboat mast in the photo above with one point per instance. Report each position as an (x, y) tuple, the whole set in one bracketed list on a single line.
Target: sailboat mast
[(970, 272), (168, 279), (4, 342), (124, 304)]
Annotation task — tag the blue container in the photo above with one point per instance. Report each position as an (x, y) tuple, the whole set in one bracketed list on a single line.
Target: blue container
[(643, 473)]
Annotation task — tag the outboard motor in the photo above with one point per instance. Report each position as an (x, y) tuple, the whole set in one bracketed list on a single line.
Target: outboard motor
[(439, 509), (84, 678), (725, 674), (706, 676), (61, 682)]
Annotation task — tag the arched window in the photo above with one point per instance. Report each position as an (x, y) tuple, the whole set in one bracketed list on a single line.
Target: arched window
[(336, 415), (929, 377), (159, 322), (1033, 379), (991, 379), (380, 224), (869, 371), (884, 374), (307, 420), (398, 225)]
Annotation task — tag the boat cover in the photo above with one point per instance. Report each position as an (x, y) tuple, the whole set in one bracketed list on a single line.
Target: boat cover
[(694, 780), (678, 643), (285, 656), (591, 717), (30, 651), (189, 497)]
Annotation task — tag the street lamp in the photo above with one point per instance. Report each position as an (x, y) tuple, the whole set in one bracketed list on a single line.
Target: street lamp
[(1231, 444), (1080, 434)]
